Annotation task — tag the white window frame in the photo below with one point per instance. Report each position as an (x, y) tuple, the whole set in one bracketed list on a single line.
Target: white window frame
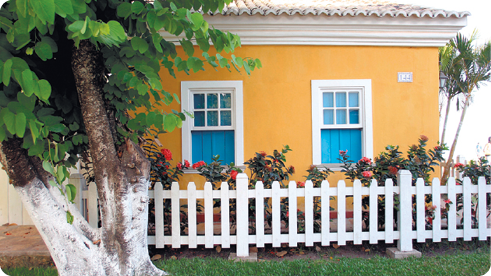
[(187, 104), (318, 88)]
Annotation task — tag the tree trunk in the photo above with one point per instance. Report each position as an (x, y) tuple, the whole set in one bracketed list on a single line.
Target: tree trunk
[(120, 246), (445, 120), (446, 172)]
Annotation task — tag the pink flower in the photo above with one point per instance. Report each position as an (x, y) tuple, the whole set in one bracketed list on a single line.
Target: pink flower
[(186, 164), (233, 174), (424, 138), (179, 166), (447, 201), (367, 174), (263, 154), (342, 153), (365, 160), (300, 184), (167, 154)]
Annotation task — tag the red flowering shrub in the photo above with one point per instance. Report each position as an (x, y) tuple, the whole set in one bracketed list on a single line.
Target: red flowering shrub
[(365, 160), (419, 161), (167, 154), (367, 174), (199, 164), (233, 174), (458, 165)]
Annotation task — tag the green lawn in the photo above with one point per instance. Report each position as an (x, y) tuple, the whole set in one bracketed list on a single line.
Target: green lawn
[(468, 264)]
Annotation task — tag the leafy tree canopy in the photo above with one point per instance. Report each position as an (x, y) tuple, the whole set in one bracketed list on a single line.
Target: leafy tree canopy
[(38, 97)]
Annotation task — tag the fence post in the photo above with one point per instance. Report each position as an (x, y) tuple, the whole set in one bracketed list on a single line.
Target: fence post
[(404, 223), (242, 210)]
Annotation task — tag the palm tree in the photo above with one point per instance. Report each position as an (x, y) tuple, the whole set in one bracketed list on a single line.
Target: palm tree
[(466, 67)]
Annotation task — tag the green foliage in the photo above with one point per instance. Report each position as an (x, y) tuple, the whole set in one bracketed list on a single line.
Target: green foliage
[(215, 173), (269, 168), (38, 95), (474, 170), (419, 161)]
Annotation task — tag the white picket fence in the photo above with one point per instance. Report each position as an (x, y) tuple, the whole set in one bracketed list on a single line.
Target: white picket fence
[(242, 239)]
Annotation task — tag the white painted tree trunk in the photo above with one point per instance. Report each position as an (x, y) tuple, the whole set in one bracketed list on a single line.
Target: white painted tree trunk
[(78, 249)]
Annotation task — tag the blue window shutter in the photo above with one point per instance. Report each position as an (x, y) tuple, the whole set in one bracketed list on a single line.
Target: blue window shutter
[(206, 144), (334, 140)]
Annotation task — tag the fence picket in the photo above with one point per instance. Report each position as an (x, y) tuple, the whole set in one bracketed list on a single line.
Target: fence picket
[(373, 228), (451, 214), (260, 214), (292, 220), (93, 206), (176, 215), (357, 213), (482, 208), (225, 215), (208, 215), (159, 215), (341, 212), (467, 209), (404, 233), (276, 220), (325, 213), (242, 216), (309, 214), (192, 225), (438, 217), (420, 210), (389, 211)]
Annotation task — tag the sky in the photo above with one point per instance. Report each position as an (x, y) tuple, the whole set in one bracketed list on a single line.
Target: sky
[(477, 122)]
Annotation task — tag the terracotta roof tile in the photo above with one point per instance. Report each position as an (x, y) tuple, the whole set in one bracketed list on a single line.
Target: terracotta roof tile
[(334, 7)]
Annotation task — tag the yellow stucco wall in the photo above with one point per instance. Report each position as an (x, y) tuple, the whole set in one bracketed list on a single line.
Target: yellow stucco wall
[(277, 98)]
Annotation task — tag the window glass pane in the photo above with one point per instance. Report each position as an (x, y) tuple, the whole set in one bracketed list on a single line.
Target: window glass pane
[(212, 118), (212, 101), (199, 101), (354, 117), (225, 118), (328, 116), (225, 100), (341, 99), (328, 100), (340, 116), (353, 99), (199, 118)]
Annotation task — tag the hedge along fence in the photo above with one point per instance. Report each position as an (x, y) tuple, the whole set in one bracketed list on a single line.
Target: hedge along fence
[(409, 199)]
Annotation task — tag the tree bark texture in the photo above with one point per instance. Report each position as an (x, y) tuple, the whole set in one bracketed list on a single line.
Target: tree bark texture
[(446, 172), (120, 246)]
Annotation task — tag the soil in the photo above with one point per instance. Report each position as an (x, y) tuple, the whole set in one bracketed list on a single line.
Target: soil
[(318, 252)]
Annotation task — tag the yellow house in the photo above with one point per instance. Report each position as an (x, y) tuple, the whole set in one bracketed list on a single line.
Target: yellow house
[(336, 75)]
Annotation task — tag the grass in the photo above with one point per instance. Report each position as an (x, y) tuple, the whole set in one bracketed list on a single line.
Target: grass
[(477, 263), (464, 263)]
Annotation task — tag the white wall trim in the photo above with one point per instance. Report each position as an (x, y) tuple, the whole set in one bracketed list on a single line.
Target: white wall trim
[(317, 86), (237, 119), (337, 30)]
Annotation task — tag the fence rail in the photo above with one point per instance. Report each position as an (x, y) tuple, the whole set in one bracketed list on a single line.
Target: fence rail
[(406, 231)]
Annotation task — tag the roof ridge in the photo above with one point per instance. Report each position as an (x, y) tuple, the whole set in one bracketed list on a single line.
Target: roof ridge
[(333, 7)]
